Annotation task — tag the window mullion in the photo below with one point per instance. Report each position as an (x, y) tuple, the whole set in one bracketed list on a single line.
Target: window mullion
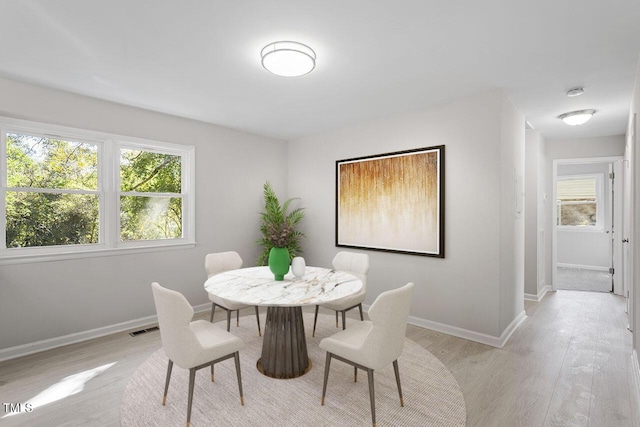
[(51, 190), (110, 182), (149, 194)]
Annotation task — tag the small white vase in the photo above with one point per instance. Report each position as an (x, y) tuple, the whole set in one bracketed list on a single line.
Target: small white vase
[(298, 266)]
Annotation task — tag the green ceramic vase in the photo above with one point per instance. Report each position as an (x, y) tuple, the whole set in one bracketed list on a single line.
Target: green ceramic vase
[(279, 262)]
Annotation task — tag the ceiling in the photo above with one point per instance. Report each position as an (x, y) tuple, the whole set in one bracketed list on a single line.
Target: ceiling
[(201, 59)]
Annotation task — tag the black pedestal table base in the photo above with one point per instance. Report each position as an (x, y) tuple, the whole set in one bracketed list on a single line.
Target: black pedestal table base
[(284, 347)]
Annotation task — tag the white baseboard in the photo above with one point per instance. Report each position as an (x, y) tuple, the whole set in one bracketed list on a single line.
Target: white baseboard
[(51, 343), (635, 367), (467, 334), (455, 331), (202, 307), (537, 298), (509, 330), (583, 267), (48, 344)]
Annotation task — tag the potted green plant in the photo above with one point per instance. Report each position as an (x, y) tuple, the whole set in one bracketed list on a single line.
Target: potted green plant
[(278, 227)]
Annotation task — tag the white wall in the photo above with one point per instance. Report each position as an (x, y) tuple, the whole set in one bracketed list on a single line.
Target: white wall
[(534, 214), (41, 301), (478, 286), (633, 154), (587, 248), (512, 214), (579, 148)]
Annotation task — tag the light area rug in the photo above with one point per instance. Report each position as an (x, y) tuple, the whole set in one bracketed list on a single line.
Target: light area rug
[(432, 396), (580, 279)]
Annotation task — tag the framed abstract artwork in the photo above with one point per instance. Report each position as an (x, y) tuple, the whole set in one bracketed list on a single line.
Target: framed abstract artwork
[(392, 202)]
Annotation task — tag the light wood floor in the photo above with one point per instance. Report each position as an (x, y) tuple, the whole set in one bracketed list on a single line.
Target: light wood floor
[(568, 364)]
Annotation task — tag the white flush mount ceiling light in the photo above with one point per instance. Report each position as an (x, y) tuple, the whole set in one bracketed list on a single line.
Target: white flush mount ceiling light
[(575, 118), (289, 59), (576, 91)]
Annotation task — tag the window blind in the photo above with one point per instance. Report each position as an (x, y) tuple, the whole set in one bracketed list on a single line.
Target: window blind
[(576, 189)]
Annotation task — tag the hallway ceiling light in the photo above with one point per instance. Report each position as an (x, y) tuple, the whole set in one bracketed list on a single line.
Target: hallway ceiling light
[(575, 118), (576, 91), (287, 58)]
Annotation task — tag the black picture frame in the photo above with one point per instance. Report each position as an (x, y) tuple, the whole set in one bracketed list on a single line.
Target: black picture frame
[(392, 202)]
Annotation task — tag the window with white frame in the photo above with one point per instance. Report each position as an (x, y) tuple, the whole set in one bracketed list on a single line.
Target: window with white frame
[(52, 195), (150, 195), (580, 202), (68, 190)]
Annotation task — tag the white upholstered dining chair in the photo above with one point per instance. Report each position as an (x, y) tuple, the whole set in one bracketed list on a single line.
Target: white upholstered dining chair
[(220, 262), (191, 345), (358, 265), (372, 345)]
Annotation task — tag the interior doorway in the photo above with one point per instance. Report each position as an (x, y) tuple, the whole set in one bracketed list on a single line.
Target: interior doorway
[(587, 195)]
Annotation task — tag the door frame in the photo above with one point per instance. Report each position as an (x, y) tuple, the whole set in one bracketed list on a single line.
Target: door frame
[(554, 210), (617, 218), (630, 248)]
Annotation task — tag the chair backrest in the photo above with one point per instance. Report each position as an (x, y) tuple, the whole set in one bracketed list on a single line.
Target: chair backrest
[(388, 314), (354, 263), (174, 316), (220, 262)]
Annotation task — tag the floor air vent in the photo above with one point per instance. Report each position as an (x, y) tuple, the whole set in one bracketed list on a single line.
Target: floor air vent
[(143, 331)]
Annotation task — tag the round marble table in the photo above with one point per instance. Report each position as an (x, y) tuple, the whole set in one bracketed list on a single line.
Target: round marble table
[(284, 347)]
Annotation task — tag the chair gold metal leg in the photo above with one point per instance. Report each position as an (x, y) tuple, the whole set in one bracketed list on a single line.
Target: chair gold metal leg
[(337, 319), (315, 320), (360, 308), (372, 396), (258, 319), (355, 374), (192, 380), (397, 371), (237, 318), (166, 383), (326, 377), (236, 357), (212, 377), (213, 310), (228, 320), (344, 320)]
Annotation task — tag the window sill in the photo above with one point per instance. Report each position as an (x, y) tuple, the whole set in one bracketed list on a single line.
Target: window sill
[(91, 253)]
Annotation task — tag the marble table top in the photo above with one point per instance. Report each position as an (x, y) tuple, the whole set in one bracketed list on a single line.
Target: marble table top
[(256, 286)]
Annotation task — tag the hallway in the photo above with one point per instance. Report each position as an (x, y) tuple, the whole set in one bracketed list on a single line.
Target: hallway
[(568, 364)]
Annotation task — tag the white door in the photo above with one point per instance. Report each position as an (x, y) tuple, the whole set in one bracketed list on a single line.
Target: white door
[(617, 227), (628, 220)]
